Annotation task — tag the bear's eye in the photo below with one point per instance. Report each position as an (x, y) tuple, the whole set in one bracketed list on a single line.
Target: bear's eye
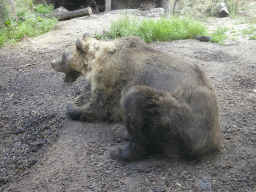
[(80, 49)]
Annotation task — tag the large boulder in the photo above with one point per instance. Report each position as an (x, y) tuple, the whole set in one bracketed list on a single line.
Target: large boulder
[(218, 10)]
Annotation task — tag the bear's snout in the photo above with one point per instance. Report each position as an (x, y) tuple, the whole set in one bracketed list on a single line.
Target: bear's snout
[(56, 65)]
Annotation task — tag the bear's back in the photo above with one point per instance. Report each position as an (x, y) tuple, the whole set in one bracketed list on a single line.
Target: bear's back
[(156, 69)]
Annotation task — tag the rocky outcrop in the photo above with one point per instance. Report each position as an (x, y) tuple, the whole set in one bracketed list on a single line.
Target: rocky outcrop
[(218, 10)]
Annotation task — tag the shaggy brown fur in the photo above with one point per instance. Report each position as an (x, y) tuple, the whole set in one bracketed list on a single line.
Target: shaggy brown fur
[(167, 104)]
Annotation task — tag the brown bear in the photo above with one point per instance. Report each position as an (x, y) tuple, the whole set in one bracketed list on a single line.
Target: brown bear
[(167, 104)]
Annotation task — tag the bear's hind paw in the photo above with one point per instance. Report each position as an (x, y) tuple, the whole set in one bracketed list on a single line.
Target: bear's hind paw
[(115, 152)]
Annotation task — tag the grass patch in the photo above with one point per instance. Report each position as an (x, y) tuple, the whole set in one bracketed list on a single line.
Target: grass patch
[(43, 9), (30, 25), (250, 30), (253, 37), (164, 29), (194, 6), (218, 36), (233, 39), (251, 20)]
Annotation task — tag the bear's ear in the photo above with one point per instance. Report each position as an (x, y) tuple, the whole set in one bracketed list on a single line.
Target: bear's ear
[(80, 45)]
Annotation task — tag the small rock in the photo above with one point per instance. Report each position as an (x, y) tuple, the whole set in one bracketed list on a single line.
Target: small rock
[(33, 162), (18, 131), (92, 185), (161, 189), (204, 184)]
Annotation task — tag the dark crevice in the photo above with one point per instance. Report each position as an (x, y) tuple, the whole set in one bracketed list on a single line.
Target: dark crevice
[(71, 5)]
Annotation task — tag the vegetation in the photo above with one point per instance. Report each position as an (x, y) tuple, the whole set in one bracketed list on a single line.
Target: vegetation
[(219, 34), (182, 27), (164, 29), (27, 24), (195, 6), (253, 37), (250, 30)]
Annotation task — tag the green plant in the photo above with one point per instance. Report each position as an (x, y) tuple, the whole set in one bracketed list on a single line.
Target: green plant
[(253, 37), (164, 29), (251, 20), (233, 39), (232, 5), (250, 30), (24, 7), (194, 7), (7, 14), (219, 34), (30, 25), (43, 9)]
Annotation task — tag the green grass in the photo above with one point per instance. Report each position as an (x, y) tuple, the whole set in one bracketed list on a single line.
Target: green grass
[(218, 36), (164, 29), (30, 25), (251, 20), (253, 37), (43, 9), (232, 5), (195, 7), (250, 30), (233, 39)]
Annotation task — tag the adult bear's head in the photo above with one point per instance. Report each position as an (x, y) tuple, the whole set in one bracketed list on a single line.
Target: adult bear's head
[(75, 61)]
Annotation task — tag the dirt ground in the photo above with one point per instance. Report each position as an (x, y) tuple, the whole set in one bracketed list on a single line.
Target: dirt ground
[(41, 149)]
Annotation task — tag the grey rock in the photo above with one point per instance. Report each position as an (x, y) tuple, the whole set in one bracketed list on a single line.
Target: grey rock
[(204, 184), (218, 10), (161, 189)]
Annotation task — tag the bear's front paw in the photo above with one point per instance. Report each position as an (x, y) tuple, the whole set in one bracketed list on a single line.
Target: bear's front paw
[(122, 133), (115, 152), (74, 112)]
